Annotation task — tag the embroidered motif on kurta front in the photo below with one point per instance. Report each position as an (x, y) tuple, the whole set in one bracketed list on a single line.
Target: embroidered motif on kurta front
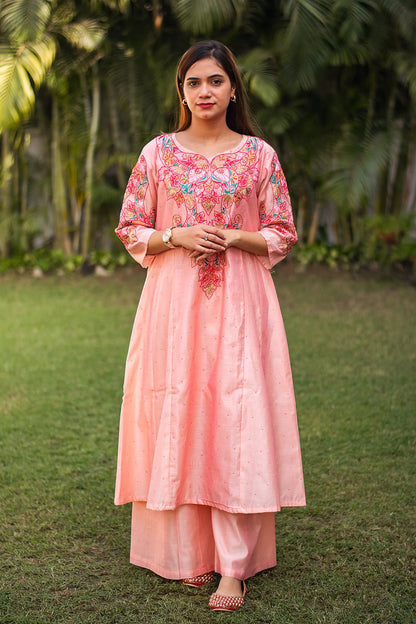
[(242, 189), (211, 273), (209, 191)]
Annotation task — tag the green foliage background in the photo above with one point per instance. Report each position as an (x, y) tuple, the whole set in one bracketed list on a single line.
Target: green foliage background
[(332, 84)]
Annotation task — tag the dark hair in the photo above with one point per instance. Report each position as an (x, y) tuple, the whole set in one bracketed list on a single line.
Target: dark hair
[(237, 113)]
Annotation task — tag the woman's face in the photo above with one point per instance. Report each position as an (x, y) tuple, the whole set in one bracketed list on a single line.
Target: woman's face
[(207, 90)]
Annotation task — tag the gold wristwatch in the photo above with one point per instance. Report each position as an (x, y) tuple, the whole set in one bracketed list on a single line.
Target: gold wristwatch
[(166, 236)]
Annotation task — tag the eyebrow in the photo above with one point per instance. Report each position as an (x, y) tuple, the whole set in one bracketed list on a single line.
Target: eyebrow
[(209, 77)]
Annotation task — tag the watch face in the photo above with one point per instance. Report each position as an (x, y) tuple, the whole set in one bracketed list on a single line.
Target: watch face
[(166, 236)]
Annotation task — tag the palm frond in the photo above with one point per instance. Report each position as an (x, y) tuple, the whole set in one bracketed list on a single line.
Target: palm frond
[(283, 118), (36, 58), (404, 14), (306, 44), (353, 15), (21, 71), (85, 34), (347, 56), (24, 20), (122, 6), (202, 17), (355, 168), (260, 76), (299, 10), (405, 66)]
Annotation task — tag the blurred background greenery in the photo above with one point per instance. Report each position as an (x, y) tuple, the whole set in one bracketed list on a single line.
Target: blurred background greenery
[(84, 85)]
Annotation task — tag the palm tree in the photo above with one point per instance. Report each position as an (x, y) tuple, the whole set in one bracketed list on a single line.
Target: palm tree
[(26, 53), (27, 50), (339, 65), (32, 33), (332, 83)]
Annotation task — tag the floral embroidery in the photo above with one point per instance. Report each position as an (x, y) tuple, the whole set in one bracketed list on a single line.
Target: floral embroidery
[(209, 192), (133, 211), (225, 191), (199, 185), (280, 214), (210, 273)]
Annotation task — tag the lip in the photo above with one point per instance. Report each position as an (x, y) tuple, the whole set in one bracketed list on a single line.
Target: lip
[(205, 105)]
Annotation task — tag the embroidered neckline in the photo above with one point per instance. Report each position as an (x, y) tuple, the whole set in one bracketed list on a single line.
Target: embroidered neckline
[(208, 191), (186, 150)]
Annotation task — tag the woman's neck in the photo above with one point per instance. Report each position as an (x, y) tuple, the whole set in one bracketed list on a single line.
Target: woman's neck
[(209, 133), (209, 142)]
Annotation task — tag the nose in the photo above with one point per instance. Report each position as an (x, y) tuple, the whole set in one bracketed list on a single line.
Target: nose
[(205, 90)]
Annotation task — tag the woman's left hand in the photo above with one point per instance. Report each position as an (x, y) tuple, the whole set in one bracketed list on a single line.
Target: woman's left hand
[(231, 236)]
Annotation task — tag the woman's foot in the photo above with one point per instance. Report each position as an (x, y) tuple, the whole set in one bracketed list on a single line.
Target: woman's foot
[(229, 586), (199, 581), (229, 595)]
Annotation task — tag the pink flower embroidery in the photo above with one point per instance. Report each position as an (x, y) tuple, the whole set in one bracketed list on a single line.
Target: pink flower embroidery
[(200, 186)]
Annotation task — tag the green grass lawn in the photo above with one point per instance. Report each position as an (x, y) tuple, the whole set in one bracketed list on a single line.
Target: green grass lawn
[(348, 557)]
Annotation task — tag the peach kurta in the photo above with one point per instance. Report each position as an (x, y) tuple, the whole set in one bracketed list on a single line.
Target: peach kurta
[(208, 414)]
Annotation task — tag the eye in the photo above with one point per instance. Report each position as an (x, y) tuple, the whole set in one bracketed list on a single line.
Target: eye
[(217, 82), (192, 83)]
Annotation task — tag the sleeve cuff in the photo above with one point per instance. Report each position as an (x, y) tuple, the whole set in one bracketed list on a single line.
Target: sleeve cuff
[(138, 249), (274, 255)]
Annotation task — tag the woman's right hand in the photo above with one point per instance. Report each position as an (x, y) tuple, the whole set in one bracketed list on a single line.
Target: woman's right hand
[(202, 240)]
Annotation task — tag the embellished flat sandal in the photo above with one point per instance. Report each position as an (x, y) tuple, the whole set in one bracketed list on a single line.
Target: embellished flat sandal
[(217, 602), (198, 581)]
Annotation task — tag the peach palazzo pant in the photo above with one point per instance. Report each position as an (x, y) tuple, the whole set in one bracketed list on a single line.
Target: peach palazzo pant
[(194, 539)]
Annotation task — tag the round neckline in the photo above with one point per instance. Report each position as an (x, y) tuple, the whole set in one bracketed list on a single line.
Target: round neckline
[(186, 150)]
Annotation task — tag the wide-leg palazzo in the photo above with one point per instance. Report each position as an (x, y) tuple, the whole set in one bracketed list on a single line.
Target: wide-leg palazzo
[(194, 539)]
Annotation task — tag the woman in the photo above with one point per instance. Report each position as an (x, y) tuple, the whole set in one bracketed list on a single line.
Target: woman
[(209, 446)]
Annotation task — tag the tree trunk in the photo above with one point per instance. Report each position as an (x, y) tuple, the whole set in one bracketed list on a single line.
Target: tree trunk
[(89, 162), (397, 199), (22, 174), (133, 104), (383, 192), (300, 221), (58, 185), (5, 193), (115, 131), (344, 228), (410, 199), (371, 103), (314, 225)]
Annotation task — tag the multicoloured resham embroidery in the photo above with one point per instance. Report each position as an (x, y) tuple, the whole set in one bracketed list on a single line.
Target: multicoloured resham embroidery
[(211, 272), (280, 214), (209, 191), (133, 211)]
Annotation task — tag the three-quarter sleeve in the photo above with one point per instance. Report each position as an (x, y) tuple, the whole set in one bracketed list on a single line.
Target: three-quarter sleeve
[(275, 211), (138, 212)]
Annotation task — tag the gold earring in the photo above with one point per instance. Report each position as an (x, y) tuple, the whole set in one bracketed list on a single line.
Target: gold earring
[(233, 98), (184, 102)]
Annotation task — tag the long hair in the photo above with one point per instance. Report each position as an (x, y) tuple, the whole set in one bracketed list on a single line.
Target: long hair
[(237, 113)]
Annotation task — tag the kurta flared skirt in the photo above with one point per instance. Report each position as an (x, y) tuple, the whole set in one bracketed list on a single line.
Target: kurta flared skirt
[(208, 414)]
